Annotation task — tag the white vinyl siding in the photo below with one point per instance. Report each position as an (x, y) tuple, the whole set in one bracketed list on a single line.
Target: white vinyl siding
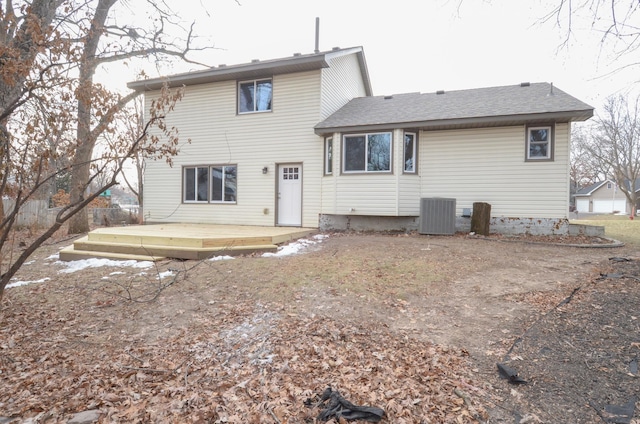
[(207, 115), (339, 85), (373, 194), (487, 165)]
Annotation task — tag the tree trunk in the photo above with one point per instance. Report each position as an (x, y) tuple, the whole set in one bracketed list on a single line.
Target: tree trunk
[(480, 218), (81, 167)]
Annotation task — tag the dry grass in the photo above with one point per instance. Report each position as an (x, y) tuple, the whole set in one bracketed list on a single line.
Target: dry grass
[(619, 227)]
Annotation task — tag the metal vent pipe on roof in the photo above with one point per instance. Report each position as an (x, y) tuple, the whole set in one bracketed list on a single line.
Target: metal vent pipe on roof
[(525, 84), (317, 49), (440, 92)]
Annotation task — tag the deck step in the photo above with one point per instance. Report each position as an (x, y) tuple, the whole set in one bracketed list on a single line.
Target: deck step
[(69, 253), (179, 241), (131, 251)]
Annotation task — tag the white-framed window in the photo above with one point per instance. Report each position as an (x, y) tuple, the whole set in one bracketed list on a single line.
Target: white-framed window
[(366, 152), (196, 184), (328, 156), (410, 149), (209, 184), (224, 183), (255, 96), (539, 143)]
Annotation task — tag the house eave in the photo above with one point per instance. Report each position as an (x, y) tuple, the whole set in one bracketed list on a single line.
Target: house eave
[(236, 72), (464, 123)]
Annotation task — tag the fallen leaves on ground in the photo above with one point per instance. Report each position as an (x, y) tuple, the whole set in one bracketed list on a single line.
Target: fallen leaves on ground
[(244, 364)]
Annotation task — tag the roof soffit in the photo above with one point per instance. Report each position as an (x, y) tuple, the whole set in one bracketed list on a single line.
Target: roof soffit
[(255, 69)]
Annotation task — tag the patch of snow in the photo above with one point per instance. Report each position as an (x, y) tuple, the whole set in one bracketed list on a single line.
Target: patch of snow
[(52, 257), (74, 266), (247, 342), (295, 247), (221, 258), (165, 274), (24, 283)]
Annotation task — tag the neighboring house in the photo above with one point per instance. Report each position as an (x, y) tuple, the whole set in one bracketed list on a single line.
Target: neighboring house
[(602, 197), (301, 141)]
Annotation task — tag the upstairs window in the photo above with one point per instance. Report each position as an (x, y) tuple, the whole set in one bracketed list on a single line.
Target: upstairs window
[(255, 96), (367, 153), (540, 143), (409, 153)]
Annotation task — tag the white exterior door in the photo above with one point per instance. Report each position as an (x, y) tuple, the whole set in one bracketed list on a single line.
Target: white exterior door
[(290, 194)]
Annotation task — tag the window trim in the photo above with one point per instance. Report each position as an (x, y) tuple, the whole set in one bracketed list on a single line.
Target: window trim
[(255, 82), (328, 156), (209, 169), (415, 153), (551, 141), (366, 137)]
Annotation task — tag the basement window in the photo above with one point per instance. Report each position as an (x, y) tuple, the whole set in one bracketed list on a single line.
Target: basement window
[(539, 143)]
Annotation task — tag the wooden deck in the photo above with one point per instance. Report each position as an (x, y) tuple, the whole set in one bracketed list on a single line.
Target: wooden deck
[(182, 241)]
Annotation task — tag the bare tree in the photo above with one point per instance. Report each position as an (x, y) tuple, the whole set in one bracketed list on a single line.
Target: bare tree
[(135, 181), (615, 145), (616, 21), (45, 97), (105, 40), (584, 168)]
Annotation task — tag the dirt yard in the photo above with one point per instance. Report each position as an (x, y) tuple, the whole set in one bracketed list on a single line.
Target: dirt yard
[(408, 323)]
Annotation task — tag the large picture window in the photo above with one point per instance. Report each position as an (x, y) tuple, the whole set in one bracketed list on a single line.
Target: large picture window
[(255, 96), (367, 153), (409, 153), (210, 184), (540, 143)]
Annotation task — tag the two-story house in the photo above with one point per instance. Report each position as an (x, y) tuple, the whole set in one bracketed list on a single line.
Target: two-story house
[(302, 141)]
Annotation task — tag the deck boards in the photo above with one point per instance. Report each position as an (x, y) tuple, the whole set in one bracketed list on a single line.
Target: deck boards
[(181, 241)]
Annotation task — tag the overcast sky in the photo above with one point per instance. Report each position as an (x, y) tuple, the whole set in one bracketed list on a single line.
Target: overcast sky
[(417, 45)]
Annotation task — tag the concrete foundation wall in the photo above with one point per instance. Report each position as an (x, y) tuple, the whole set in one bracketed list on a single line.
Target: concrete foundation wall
[(586, 230), (368, 223), (498, 225)]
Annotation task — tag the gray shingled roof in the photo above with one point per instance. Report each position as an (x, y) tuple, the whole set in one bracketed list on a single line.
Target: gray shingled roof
[(514, 104), (588, 190)]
